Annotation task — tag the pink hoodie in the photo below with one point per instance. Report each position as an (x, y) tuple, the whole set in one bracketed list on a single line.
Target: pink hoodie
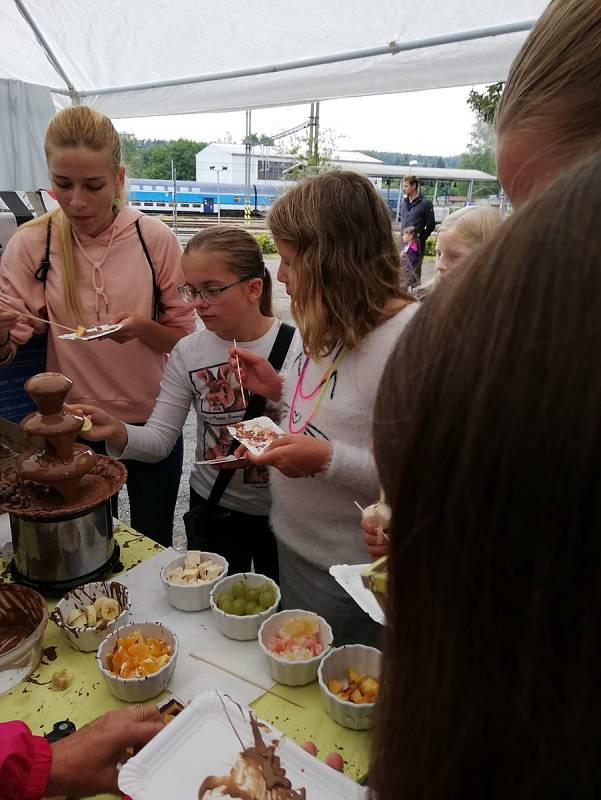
[(123, 379)]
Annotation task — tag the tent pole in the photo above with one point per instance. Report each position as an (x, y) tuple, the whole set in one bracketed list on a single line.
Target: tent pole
[(390, 49), (41, 39)]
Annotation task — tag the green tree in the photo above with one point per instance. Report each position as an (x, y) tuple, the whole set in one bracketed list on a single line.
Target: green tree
[(258, 138), (484, 104), (132, 155), (481, 149), (182, 152)]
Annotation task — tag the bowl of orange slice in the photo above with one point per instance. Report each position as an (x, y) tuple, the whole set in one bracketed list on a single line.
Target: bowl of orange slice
[(137, 660)]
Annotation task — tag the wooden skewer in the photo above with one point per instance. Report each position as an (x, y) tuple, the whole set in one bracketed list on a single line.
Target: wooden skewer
[(246, 680), (361, 509), (39, 319), (239, 375)]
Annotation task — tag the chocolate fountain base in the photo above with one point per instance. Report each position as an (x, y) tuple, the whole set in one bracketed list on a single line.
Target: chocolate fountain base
[(58, 588)]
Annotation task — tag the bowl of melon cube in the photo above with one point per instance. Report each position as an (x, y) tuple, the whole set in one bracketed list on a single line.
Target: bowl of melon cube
[(189, 579), (137, 660), (349, 683)]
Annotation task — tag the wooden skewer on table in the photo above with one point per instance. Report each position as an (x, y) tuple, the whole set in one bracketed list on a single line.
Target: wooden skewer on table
[(39, 319), (239, 375), (246, 680)]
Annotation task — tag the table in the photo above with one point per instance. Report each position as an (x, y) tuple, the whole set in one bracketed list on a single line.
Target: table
[(34, 702)]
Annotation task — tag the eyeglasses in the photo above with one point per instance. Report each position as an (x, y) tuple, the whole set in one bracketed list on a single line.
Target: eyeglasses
[(210, 295)]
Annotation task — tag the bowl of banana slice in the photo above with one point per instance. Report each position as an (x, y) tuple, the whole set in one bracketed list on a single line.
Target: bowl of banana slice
[(89, 613)]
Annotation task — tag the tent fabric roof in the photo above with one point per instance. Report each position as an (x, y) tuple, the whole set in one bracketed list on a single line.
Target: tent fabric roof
[(117, 56)]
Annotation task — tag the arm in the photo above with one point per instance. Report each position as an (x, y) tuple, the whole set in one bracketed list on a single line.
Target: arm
[(24, 762), (85, 763), (429, 221), (155, 440), (156, 335)]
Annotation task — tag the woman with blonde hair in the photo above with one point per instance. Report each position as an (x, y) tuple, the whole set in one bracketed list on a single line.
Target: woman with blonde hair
[(341, 267), (550, 111), (91, 261)]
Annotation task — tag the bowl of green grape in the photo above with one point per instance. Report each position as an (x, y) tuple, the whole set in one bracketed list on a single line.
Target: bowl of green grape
[(241, 603)]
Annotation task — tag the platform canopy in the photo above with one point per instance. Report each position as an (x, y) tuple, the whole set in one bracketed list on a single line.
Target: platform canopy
[(144, 57)]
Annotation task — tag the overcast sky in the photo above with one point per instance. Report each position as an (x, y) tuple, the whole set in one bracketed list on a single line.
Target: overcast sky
[(436, 122)]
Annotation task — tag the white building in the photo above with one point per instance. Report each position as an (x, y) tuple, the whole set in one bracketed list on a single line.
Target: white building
[(267, 163)]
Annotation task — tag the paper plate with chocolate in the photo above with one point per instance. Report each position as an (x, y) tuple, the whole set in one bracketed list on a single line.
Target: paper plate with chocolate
[(256, 434), (89, 334), (216, 748)]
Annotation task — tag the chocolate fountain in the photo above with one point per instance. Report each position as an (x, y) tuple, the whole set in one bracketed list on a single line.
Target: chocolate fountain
[(58, 496)]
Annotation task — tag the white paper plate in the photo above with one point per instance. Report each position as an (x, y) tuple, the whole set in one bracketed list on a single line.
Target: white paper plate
[(349, 577), (263, 422), (201, 741), (97, 332)]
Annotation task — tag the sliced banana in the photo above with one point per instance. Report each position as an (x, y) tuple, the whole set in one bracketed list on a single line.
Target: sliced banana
[(87, 425), (61, 680), (91, 616), (98, 605), (110, 609), (77, 618)]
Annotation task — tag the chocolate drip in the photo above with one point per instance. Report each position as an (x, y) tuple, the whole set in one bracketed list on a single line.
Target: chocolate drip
[(257, 773)]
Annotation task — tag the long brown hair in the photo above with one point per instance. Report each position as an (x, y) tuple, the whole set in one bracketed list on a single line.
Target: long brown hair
[(77, 126), (243, 255), (552, 91), (488, 442), (347, 264)]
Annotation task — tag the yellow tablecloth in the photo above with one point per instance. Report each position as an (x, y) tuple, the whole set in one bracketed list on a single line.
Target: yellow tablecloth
[(35, 703)]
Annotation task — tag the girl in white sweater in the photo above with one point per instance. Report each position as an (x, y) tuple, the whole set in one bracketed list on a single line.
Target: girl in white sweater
[(341, 268)]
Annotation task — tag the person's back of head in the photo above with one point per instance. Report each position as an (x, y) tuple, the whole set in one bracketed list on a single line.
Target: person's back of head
[(473, 224), (549, 115), (490, 456), (347, 261)]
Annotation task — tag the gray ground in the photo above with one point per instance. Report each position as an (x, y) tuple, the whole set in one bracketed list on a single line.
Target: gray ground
[(282, 310)]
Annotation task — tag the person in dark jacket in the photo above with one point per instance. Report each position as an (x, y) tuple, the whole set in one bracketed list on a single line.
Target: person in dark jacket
[(417, 211)]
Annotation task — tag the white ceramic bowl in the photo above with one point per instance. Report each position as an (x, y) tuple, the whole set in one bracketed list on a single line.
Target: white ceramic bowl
[(137, 690), (292, 673), (335, 665), (19, 657), (88, 639), (241, 628), (195, 596)]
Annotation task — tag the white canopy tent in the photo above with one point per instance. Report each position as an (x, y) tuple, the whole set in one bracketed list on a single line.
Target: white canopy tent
[(148, 57)]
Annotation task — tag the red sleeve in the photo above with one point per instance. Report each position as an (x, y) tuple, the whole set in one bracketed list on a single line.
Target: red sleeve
[(24, 762)]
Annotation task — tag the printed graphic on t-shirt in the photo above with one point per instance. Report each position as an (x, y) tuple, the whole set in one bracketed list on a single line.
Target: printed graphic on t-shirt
[(221, 405)]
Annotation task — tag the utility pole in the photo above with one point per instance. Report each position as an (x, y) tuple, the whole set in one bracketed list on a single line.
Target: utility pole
[(174, 179), (247, 157)]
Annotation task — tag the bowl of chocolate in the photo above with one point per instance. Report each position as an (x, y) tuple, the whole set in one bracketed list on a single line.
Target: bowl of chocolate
[(23, 620)]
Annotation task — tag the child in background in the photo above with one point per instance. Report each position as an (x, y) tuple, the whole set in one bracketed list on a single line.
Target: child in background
[(461, 233), (229, 286), (410, 256), (341, 267)]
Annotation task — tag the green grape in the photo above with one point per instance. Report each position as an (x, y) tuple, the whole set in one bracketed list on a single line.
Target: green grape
[(239, 606), (267, 597), (225, 603), (225, 596), (239, 590), (253, 595), (250, 608)]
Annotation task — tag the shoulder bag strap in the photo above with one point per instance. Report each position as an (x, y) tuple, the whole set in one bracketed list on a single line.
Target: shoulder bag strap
[(156, 292), (41, 273), (254, 408)]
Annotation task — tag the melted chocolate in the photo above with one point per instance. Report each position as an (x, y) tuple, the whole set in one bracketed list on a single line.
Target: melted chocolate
[(257, 772), (65, 477), (21, 611)]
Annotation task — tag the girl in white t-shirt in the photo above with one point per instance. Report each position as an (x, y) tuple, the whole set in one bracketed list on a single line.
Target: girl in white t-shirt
[(230, 287)]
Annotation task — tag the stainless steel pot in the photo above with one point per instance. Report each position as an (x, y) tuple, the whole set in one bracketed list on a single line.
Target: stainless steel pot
[(66, 549)]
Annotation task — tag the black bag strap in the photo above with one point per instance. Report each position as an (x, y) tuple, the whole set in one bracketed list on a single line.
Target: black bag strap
[(41, 273), (254, 408), (156, 292)]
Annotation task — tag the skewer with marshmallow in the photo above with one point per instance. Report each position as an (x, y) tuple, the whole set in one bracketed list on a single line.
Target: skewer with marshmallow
[(378, 516)]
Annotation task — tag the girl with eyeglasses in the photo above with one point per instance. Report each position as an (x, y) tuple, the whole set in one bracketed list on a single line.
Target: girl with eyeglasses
[(230, 288), (341, 267)]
